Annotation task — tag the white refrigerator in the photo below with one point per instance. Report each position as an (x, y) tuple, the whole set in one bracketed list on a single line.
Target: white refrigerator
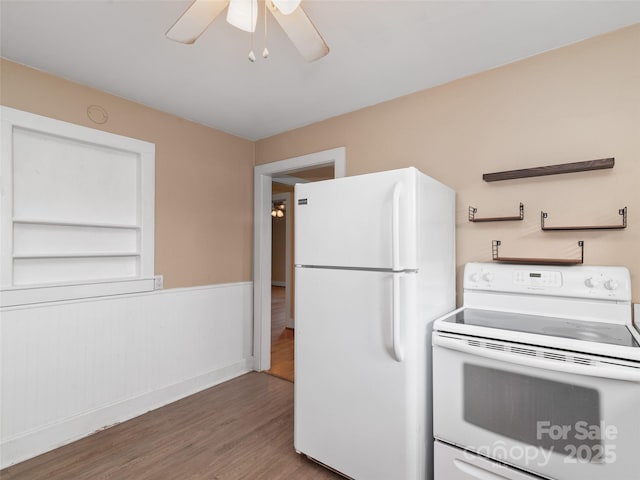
[(374, 266)]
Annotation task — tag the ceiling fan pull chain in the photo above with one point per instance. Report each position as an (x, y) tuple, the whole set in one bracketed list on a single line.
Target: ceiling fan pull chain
[(265, 52), (252, 56)]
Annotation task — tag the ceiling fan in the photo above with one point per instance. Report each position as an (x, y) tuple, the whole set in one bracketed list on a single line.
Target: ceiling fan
[(243, 14)]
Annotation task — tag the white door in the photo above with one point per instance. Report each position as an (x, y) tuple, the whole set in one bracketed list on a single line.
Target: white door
[(355, 404), (357, 218)]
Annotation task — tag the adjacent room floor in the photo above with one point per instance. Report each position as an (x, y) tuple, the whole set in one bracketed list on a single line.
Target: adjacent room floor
[(241, 429)]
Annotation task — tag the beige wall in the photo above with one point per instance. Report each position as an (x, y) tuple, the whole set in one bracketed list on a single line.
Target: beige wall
[(204, 177), (581, 102), (577, 103)]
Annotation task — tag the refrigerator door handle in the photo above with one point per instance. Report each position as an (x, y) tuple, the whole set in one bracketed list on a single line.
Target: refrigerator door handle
[(398, 353), (395, 251), (395, 227)]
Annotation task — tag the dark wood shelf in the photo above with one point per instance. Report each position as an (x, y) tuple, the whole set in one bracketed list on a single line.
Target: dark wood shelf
[(600, 164), (537, 261), (622, 212), (473, 218)]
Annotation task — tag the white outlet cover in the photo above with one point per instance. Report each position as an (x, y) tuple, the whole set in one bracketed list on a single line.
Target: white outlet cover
[(158, 282)]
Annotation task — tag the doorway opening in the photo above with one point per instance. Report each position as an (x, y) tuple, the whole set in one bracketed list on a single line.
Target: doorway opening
[(282, 333), (282, 268), (284, 172)]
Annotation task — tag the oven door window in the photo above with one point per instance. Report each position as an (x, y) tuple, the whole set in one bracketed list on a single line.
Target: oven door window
[(536, 411)]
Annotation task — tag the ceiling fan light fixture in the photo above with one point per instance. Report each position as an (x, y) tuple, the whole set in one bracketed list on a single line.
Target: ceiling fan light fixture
[(286, 6), (243, 14)]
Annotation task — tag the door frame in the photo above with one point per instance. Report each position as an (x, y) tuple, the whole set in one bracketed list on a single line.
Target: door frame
[(262, 192)]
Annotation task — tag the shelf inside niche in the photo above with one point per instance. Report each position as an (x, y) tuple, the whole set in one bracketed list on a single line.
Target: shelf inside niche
[(32, 256), (622, 212), (536, 261), (474, 219), (66, 223)]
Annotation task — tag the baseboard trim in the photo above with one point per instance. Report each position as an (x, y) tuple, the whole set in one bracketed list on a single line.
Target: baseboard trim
[(36, 442), (291, 323)]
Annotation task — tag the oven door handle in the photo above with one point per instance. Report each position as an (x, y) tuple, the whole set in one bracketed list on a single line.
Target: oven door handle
[(619, 372)]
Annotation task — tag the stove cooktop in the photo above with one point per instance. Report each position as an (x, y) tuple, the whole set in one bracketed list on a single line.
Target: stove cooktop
[(597, 332)]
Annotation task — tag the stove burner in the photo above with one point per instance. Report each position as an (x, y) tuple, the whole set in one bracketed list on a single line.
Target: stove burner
[(587, 335)]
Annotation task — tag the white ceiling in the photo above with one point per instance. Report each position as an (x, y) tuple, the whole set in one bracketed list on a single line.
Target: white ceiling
[(379, 50)]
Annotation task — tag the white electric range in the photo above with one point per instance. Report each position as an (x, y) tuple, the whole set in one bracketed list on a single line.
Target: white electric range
[(538, 376)]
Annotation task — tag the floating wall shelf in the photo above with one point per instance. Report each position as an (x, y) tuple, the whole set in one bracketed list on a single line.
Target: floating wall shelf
[(537, 261), (622, 212), (473, 218), (550, 170)]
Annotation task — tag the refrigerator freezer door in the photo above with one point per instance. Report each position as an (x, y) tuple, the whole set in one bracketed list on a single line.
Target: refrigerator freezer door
[(356, 405), (357, 219)]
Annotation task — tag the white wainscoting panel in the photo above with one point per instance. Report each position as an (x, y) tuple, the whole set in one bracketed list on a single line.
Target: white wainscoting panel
[(71, 368)]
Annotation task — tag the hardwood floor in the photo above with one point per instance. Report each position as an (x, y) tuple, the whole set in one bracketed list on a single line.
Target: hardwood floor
[(241, 429), (282, 338)]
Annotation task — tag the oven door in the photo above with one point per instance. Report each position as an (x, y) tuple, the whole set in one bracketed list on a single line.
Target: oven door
[(553, 413)]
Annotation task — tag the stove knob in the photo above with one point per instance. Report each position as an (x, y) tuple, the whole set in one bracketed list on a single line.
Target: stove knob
[(474, 277), (611, 284), (592, 282), (487, 276)]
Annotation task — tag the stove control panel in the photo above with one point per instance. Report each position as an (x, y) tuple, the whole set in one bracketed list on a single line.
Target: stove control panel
[(537, 278), (581, 281)]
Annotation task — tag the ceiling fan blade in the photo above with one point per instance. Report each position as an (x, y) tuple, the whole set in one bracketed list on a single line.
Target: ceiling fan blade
[(195, 20), (302, 32)]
